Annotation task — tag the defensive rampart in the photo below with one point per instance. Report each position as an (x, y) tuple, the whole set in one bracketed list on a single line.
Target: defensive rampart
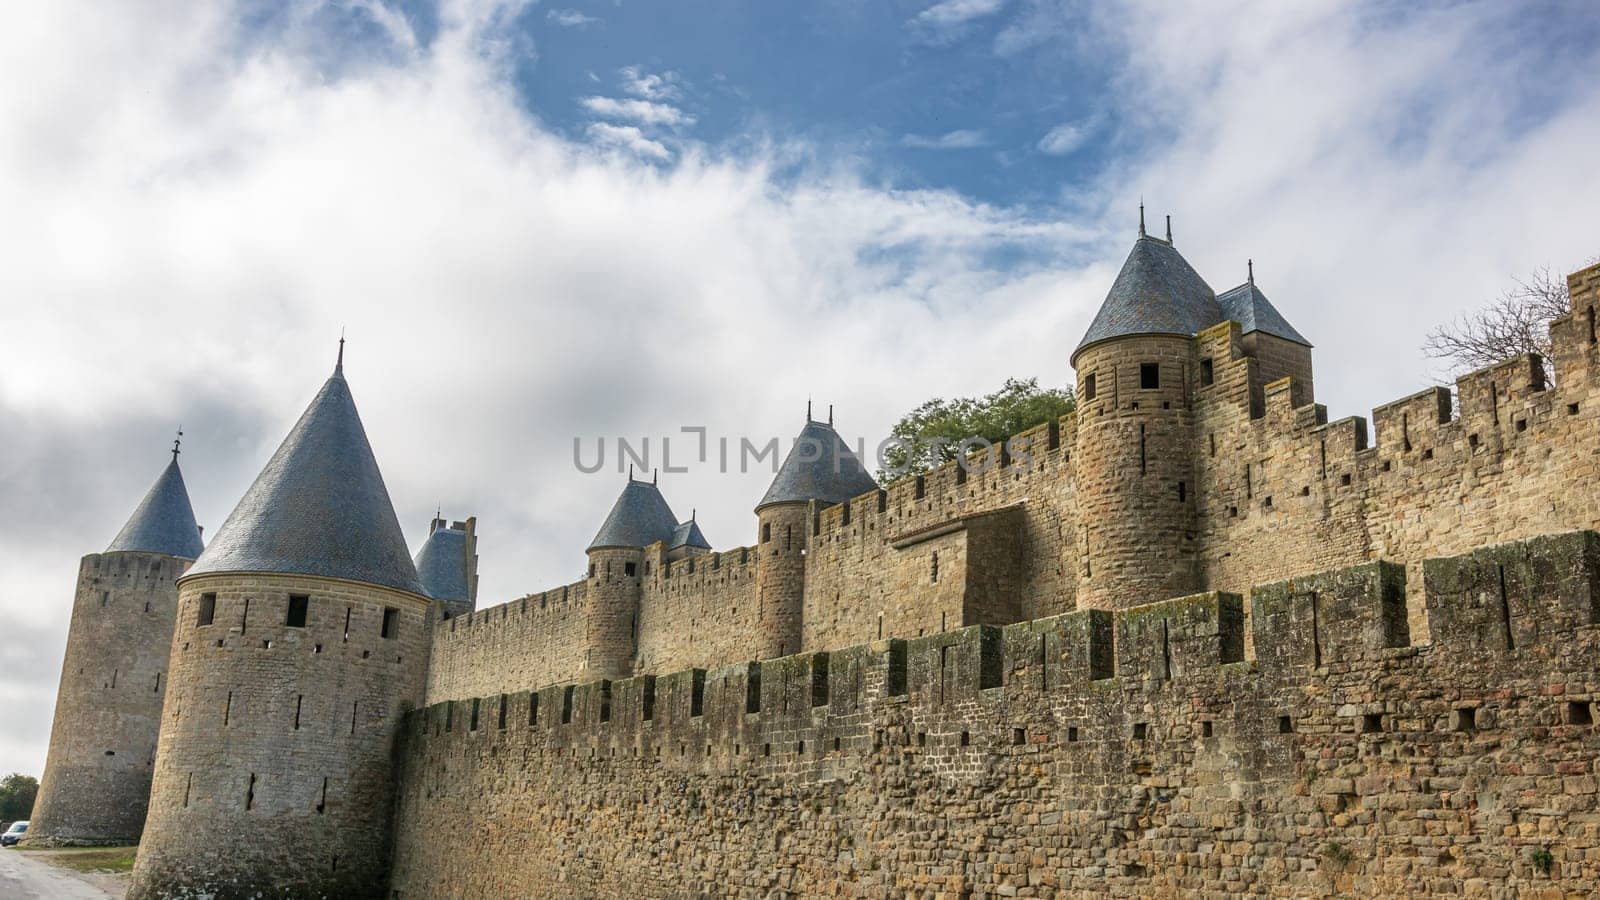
[(1135, 753)]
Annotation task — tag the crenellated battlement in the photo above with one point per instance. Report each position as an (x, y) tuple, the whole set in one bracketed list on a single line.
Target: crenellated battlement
[(1112, 747), (1485, 604)]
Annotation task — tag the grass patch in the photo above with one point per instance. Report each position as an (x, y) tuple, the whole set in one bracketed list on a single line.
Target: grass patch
[(89, 859)]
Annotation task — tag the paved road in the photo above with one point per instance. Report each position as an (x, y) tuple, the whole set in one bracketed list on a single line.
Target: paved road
[(25, 878)]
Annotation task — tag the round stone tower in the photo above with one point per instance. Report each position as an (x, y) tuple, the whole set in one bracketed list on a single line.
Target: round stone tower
[(300, 644), (639, 518), (819, 471), (1135, 444), (108, 710)]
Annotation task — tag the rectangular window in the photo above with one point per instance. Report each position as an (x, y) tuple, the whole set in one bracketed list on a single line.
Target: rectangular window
[(628, 569), (298, 605), (1088, 386), (1149, 376), (1207, 374), (391, 620), (208, 609)]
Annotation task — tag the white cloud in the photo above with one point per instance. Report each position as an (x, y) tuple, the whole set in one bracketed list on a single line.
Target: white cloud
[(642, 111), (629, 138), (651, 85), (961, 139), (186, 232), (1065, 139), (949, 20), (571, 18)]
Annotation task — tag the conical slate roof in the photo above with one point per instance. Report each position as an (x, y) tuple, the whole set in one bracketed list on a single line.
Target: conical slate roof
[(1157, 292), (687, 534), (164, 521), (319, 507), (819, 466), (639, 518), (442, 565), (1249, 307)]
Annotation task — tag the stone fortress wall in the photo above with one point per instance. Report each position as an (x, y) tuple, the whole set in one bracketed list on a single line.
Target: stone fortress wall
[(108, 707), (1236, 476), (1128, 752)]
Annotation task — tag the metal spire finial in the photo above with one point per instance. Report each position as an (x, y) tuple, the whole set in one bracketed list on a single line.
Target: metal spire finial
[(338, 366), (175, 442), (654, 474), (630, 471), (1169, 229), (1250, 266), (808, 409), (830, 415), (1141, 217)]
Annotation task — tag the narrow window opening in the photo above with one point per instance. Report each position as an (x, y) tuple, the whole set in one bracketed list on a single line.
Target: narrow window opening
[(1166, 652), (355, 709), (298, 608), (1207, 372), (1316, 631), (227, 709), (1149, 376), (1579, 713), (1183, 491), (348, 610), (880, 626), (157, 688), (1140, 731), (1371, 723), (472, 723), (501, 724), (1428, 453), (299, 701), (1285, 725), (800, 748), (1466, 719), (934, 573), (628, 569), (1205, 728), (1572, 409), (1505, 611), (1344, 480), (533, 710), (766, 749), (322, 802), (1072, 734), (188, 786), (244, 616), (836, 745), (1522, 424), (391, 618), (1088, 386), (566, 705), (250, 792), (1213, 439), (1141, 450), (208, 610), (1019, 736), (105, 599)]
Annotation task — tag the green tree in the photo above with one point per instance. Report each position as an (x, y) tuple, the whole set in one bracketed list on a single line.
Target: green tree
[(932, 434), (16, 796)]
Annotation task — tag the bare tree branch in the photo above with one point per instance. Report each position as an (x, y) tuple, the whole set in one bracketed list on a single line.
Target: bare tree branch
[(1518, 322)]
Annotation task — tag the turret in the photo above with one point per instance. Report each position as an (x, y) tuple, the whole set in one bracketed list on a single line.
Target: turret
[(1135, 444), (108, 709), (819, 471), (300, 644), (447, 565), (639, 518), (1137, 376)]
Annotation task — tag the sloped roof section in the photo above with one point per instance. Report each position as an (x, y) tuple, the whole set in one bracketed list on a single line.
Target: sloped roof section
[(687, 534), (1157, 292), (442, 565), (1249, 307), (319, 507), (820, 466), (639, 518), (164, 520)]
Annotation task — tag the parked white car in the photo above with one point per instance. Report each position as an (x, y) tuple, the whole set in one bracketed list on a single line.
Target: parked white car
[(13, 834)]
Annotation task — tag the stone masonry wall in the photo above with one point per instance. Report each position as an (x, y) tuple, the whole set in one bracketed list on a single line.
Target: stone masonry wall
[(1130, 753), (108, 710), (534, 640), (276, 773)]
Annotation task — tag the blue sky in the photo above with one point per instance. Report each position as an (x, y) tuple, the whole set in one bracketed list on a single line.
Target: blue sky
[(546, 221)]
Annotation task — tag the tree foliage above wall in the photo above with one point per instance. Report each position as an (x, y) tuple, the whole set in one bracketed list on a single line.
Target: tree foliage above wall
[(932, 434)]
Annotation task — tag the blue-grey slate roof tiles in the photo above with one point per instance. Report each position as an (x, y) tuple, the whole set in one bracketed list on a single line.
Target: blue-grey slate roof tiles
[(639, 518), (820, 466), (164, 520), (442, 565), (319, 507)]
